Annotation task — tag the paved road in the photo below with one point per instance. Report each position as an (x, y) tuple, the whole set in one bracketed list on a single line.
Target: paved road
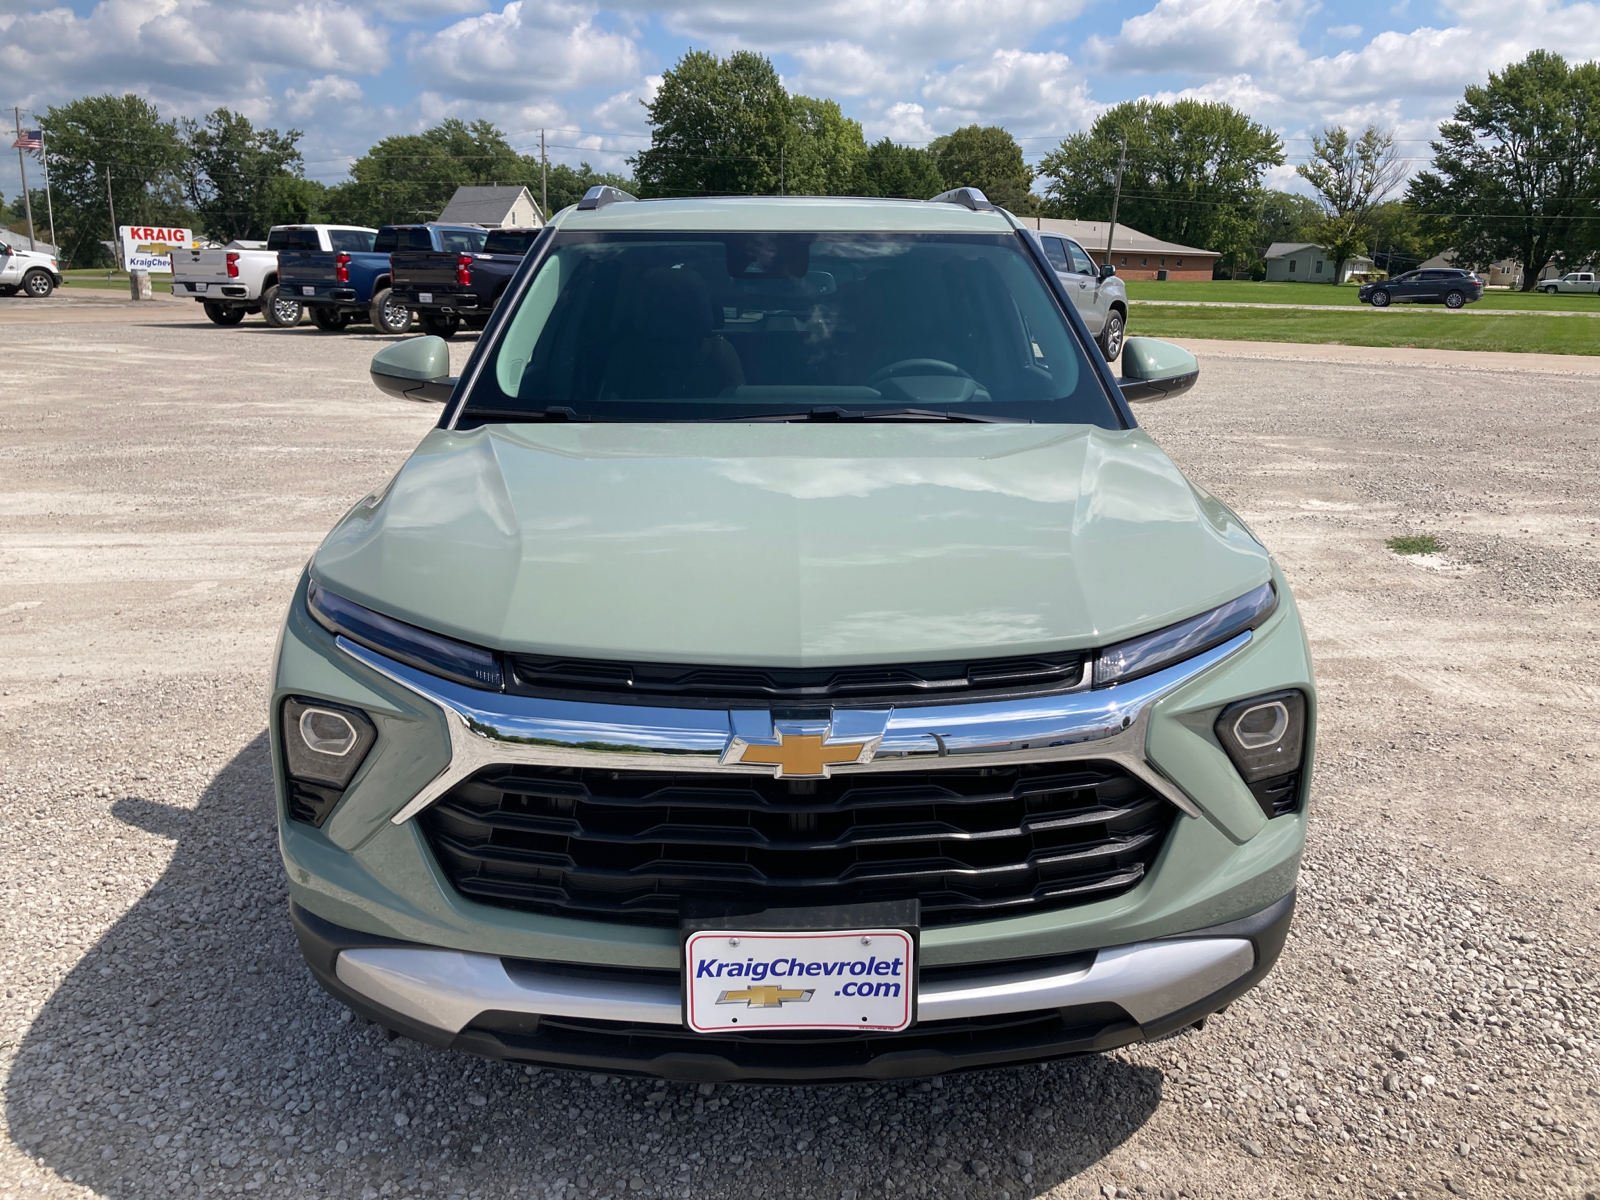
[(1432, 1026)]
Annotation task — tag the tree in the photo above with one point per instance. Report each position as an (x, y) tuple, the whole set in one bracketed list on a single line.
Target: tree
[(822, 149), (1516, 174), (1352, 178), (1194, 173), (147, 160), (988, 158), (236, 174), (411, 177), (1287, 217), (886, 169), (1402, 238), (717, 127)]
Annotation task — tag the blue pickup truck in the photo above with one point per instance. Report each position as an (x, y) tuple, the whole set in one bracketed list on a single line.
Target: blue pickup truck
[(338, 287)]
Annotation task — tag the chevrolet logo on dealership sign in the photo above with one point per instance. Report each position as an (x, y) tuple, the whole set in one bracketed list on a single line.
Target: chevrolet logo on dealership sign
[(803, 749)]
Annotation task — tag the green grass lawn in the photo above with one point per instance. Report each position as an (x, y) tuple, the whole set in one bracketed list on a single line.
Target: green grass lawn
[(118, 281), (1424, 327), (1244, 291)]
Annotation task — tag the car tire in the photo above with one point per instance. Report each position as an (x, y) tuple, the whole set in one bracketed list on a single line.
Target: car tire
[(388, 314), (441, 326), (1454, 300), (280, 311), (1110, 339), (329, 320), (1380, 299), (1550, 291), (223, 315), (37, 284)]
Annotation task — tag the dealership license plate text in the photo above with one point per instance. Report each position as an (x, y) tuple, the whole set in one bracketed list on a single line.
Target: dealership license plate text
[(857, 979)]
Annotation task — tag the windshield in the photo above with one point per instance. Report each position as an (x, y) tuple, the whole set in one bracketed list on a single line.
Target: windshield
[(672, 327)]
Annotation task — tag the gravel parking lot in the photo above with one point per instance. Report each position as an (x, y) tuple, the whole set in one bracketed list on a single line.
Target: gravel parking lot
[(1433, 1027)]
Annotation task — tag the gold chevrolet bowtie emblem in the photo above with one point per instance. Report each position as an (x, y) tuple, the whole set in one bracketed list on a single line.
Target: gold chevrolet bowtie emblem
[(803, 754), (765, 995)]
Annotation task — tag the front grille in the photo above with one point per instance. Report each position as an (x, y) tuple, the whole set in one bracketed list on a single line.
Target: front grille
[(612, 682), (1278, 796), (631, 846)]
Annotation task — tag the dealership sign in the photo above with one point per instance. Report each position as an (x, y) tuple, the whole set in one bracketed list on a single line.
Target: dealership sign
[(150, 247)]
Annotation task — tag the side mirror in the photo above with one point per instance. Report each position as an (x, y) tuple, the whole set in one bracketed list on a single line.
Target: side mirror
[(1107, 271), (1154, 370), (415, 369)]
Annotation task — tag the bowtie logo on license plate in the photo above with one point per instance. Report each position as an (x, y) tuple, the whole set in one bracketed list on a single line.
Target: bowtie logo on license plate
[(765, 996)]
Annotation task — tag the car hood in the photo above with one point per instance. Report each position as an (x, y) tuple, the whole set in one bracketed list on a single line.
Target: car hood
[(790, 544)]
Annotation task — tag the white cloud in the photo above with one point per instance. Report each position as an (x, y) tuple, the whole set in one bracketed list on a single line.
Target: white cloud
[(1202, 36), (325, 97), (423, 10), (1022, 90), (524, 50), (1344, 32)]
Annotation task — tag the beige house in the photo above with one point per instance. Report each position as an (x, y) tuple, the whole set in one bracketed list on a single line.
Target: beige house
[(495, 207), (1307, 262)]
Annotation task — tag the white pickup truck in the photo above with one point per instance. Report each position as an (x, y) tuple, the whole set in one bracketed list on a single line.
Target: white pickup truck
[(242, 277), (31, 272), (1573, 281)]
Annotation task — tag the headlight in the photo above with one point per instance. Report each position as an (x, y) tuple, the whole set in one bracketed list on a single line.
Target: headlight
[(1142, 655), (323, 747), (1265, 736), (431, 652)]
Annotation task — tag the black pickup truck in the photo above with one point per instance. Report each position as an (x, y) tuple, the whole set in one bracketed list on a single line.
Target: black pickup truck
[(453, 289)]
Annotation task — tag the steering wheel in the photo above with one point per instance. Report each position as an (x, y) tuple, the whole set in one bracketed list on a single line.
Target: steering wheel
[(916, 366)]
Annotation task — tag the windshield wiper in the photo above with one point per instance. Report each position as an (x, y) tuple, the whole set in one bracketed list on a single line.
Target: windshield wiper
[(833, 412), (554, 412)]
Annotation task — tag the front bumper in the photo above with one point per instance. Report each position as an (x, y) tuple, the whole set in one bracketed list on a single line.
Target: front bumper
[(370, 871), (628, 1020)]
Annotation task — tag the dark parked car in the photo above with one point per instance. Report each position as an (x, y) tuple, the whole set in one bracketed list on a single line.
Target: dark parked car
[(453, 288), (1432, 285), (338, 287)]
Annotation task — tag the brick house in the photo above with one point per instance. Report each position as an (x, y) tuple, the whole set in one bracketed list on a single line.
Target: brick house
[(1135, 255)]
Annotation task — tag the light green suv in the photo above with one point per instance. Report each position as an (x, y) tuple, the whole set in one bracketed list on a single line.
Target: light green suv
[(787, 660)]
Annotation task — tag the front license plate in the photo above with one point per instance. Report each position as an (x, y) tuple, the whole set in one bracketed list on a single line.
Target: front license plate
[(854, 979), (424, 297), (308, 291)]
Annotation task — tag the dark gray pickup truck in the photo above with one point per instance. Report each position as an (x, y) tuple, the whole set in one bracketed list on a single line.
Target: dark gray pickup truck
[(454, 289)]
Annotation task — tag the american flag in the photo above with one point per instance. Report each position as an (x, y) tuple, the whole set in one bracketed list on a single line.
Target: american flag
[(31, 139)]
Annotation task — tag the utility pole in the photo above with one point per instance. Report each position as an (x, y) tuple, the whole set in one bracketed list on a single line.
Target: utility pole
[(116, 238), (1116, 199), (780, 171), (544, 181), (22, 162)]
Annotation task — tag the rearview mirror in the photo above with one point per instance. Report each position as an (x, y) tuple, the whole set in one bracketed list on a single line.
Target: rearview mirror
[(1107, 271), (1153, 370), (415, 369)]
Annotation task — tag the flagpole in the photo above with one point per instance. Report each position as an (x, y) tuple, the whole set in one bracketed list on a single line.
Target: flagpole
[(22, 164), (44, 161)]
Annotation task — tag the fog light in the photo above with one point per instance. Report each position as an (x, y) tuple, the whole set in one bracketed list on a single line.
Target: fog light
[(327, 732), (323, 747), (1265, 738)]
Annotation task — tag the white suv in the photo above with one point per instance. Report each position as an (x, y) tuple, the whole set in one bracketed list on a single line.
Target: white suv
[(1101, 298), (32, 272)]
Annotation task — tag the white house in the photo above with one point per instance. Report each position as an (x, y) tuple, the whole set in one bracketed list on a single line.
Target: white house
[(497, 207), (1307, 262)]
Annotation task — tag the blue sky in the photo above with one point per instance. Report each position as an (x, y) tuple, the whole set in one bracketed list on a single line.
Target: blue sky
[(348, 74)]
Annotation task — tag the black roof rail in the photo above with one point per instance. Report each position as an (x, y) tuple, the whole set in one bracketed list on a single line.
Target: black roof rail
[(601, 195), (967, 197)]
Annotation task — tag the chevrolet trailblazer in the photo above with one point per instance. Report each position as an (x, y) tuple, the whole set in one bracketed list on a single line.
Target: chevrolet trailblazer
[(788, 660)]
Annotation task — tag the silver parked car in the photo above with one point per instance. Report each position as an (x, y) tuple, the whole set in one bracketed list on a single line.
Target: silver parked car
[(1101, 297)]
